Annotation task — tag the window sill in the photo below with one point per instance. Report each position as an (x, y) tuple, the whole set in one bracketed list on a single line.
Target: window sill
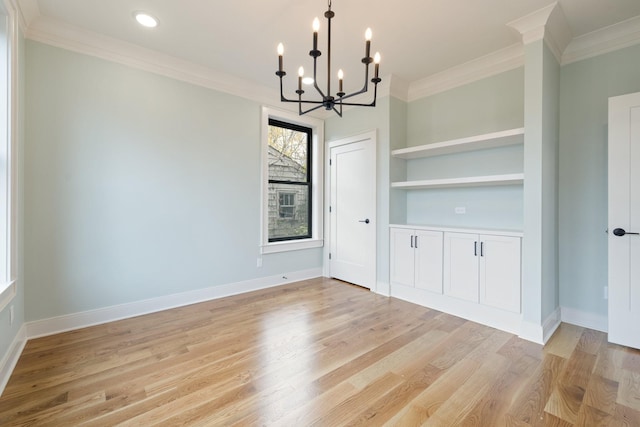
[(295, 245), (7, 292)]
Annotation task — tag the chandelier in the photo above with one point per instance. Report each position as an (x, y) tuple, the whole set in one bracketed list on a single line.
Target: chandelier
[(329, 101)]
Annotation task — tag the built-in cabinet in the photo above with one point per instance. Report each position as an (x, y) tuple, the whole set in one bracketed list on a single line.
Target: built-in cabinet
[(479, 268), (483, 268), (471, 271), (417, 258)]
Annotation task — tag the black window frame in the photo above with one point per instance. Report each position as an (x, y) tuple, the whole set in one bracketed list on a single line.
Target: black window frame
[(308, 183)]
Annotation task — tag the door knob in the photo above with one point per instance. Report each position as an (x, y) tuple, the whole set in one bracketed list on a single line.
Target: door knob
[(366, 221), (621, 232)]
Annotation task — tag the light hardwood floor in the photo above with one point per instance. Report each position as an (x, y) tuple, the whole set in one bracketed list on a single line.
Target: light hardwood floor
[(319, 352)]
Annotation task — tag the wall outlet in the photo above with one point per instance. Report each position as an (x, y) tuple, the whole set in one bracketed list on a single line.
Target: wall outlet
[(460, 210), (11, 315), (259, 262), (605, 293)]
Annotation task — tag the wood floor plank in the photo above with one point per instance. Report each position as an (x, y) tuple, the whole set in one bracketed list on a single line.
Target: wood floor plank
[(319, 352)]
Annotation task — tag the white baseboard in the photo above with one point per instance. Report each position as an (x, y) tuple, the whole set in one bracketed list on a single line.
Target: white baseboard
[(493, 317), (585, 319), (54, 325), (540, 334), (383, 289), (11, 358), (550, 324)]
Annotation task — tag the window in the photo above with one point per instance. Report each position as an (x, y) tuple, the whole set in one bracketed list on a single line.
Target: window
[(286, 206), (7, 154), (290, 171), (292, 182)]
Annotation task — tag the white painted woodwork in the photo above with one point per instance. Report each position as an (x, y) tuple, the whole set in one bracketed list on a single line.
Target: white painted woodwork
[(471, 143), (428, 256), (416, 258), (473, 181), (402, 259), (481, 272), (461, 266), (500, 272), (353, 201), (624, 212)]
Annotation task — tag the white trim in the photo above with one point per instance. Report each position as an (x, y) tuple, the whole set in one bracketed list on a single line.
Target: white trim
[(605, 40), (531, 332), (550, 324), (372, 136), (7, 293), (531, 26), (489, 65), (98, 316), (585, 319), (496, 318), (57, 33), (317, 189), (540, 333), (382, 288), (10, 359)]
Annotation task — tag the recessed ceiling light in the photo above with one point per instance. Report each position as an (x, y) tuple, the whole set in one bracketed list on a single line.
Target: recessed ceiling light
[(145, 19)]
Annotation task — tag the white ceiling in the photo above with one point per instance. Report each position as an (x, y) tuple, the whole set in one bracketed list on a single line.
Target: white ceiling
[(416, 38)]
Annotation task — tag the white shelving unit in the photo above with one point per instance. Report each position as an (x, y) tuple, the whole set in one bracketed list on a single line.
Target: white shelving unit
[(473, 181), (472, 143)]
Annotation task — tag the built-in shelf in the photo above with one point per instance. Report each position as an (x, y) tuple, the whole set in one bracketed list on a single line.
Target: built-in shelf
[(472, 143), (472, 181)]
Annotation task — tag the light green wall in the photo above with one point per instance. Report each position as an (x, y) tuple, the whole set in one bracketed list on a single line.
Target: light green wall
[(489, 105), (549, 208), (585, 87), (136, 186)]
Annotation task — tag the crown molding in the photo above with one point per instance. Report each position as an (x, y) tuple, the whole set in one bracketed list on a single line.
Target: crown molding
[(531, 26), (28, 12), (398, 88), (605, 40), (55, 33), (548, 24), (477, 69)]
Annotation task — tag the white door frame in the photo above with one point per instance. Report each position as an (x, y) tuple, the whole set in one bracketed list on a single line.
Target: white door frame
[(371, 135), (623, 327)]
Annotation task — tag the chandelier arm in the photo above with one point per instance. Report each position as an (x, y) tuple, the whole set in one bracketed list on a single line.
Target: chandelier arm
[(309, 110), (358, 104), (315, 80)]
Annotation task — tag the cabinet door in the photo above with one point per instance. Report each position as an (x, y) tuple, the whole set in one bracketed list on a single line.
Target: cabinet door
[(428, 260), (461, 254), (500, 275), (402, 253)]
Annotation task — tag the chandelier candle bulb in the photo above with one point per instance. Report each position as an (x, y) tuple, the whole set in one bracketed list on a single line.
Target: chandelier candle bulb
[(367, 37), (300, 75), (280, 53), (340, 77), (316, 27), (376, 60)]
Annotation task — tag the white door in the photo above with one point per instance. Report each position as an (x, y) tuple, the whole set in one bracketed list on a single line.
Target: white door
[(353, 210), (624, 220), (428, 251), (402, 256), (500, 272), (461, 265)]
